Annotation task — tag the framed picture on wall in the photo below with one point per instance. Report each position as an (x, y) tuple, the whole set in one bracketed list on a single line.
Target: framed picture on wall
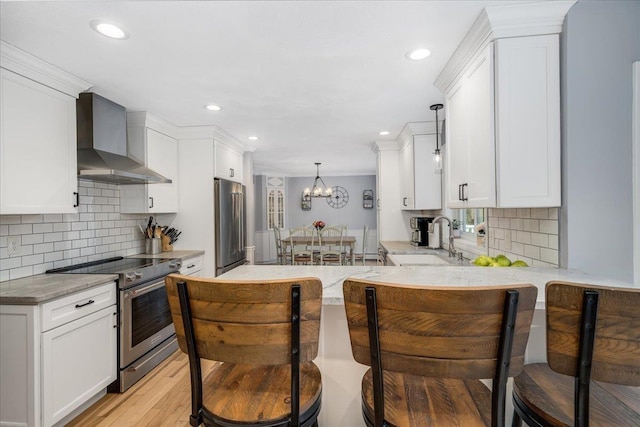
[(306, 202), (367, 199)]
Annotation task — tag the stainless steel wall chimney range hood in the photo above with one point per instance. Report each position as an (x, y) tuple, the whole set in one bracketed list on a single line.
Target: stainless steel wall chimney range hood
[(102, 144)]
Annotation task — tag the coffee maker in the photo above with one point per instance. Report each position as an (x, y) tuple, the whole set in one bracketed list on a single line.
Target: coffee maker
[(420, 230)]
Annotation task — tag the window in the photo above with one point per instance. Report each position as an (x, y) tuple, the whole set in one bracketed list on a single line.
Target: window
[(469, 220), (275, 202)]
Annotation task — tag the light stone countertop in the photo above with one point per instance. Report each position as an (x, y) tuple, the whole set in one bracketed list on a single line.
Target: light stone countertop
[(404, 247), (34, 290), (333, 276), (186, 254), (37, 289)]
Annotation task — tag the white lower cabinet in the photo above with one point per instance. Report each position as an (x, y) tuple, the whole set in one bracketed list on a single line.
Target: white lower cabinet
[(78, 361), (56, 356), (192, 266)]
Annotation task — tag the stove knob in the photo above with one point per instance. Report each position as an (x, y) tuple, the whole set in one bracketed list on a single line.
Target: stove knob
[(130, 277), (138, 274)]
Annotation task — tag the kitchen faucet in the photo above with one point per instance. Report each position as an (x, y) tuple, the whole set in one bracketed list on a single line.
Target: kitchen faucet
[(452, 250)]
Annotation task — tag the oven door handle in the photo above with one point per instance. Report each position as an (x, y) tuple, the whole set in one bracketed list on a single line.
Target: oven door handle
[(146, 289)]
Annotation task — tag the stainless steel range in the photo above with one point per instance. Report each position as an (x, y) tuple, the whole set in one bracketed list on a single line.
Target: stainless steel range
[(146, 333)]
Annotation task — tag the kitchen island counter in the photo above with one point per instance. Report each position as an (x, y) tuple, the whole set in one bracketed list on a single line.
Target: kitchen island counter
[(341, 375), (333, 276)]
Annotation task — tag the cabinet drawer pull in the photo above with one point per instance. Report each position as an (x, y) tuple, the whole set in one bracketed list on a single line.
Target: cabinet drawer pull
[(85, 304), (191, 265), (77, 195)]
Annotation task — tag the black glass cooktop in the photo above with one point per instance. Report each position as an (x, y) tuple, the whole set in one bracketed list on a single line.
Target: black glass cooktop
[(114, 265)]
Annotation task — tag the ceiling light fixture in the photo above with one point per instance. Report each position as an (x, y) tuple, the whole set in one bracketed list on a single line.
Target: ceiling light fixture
[(437, 157), (418, 54), (383, 132), (253, 138), (108, 29), (318, 190), (213, 107)]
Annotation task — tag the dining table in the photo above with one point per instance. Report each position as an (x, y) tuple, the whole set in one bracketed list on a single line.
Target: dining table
[(347, 242)]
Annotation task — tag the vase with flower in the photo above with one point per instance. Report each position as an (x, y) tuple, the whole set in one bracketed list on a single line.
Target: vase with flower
[(319, 225)]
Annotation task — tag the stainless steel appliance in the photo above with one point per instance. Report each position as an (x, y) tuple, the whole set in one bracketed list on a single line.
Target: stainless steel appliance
[(103, 151), (230, 236), (146, 335), (420, 230)]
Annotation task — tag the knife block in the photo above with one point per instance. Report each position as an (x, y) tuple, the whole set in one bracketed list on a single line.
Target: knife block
[(166, 244)]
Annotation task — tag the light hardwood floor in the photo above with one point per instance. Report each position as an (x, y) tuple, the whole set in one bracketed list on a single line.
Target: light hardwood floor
[(160, 398)]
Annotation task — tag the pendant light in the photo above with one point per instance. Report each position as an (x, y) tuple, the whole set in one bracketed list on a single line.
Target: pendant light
[(437, 157), (319, 189)]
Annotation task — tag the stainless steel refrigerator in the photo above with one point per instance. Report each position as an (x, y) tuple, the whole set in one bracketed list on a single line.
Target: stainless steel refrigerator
[(230, 237)]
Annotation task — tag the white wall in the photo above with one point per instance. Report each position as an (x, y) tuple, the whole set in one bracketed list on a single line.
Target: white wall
[(600, 41)]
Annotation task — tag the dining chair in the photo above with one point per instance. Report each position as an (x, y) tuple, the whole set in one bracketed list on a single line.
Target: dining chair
[(302, 253), (362, 255), (592, 374), (264, 334), (280, 258), (331, 252), (429, 347)]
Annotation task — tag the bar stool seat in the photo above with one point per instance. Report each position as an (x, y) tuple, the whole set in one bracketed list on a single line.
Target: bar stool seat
[(270, 400)]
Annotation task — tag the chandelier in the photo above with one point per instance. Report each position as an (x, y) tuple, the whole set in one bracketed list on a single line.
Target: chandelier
[(319, 188)]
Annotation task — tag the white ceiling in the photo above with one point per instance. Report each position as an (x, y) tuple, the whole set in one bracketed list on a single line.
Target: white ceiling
[(316, 81)]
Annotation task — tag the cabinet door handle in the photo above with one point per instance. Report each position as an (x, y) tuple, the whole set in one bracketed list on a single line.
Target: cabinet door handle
[(404, 201), (77, 196), (150, 202), (464, 198), (85, 304), (231, 171)]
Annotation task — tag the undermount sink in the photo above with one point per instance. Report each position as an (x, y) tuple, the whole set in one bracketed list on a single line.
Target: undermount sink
[(416, 259)]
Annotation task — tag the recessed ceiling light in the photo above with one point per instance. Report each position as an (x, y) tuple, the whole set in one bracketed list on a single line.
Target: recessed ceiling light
[(253, 138), (109, 30), (383, 132), (418, 54), (213, 107)]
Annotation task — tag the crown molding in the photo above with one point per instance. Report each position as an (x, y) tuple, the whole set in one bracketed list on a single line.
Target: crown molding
[(415, 128), (146, 119), (384, 146), (27, 65), (497, 22), (213, 132)]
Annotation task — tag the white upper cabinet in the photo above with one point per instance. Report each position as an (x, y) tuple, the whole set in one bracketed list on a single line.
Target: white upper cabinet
[(38, 162), (503, 126), (38, 169), (228, 162), (470, 141), (149, 142), (420, 184), (502, 99), (528, 121)]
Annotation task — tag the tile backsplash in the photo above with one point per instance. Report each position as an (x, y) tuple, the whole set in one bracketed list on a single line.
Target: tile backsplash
[(47, 241), (529, 234)]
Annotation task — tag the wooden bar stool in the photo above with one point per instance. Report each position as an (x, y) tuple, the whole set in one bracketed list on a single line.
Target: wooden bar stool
[(428, 348), (593, 353), (265, 334)]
